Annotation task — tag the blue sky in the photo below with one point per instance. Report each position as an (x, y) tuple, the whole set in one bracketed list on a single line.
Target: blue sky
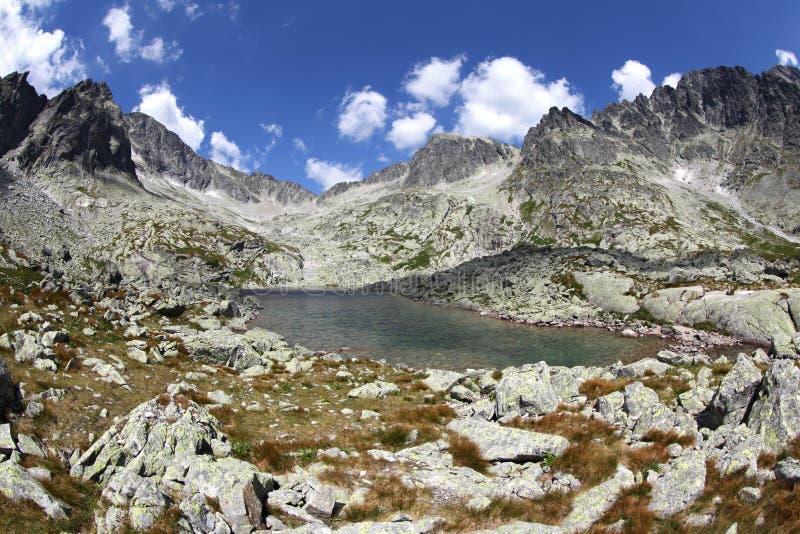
[(323, 91)]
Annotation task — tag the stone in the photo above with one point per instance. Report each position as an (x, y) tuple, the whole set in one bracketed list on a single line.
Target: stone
[(462, 394), (734, 449), (296, 365), (590, 505), (45, 365), (522, 527), (638, 398), (775, 414), (749, 495), (438, 380), (49, 339), (608, 291), (527, 391), (680, 485), (137, 354), (423, 526), (29, 446), (643, 367), (369, 414), (498, 443), (7, 442), (8, 392), (735, 392), (219, 397), (374, 390), (320, 500), (19, 485), (655, 417), (788, 469), (222, 347), (609, 405)]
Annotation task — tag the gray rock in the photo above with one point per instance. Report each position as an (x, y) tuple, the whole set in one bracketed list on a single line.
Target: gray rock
[(590, 505), (19, 485), (655, 417), (222, 347), (462, 394), (788, 469), (498, 443), (749, 495), (734, 449), (219, 397), (423, 526), (7, 442), (643, 367), (374, 390), (522, 527), (54, 336), (527, 391), (609, 405), (638, 398), (736, 391), (608, 291), (320, 501), (775, 414), (30, 446), (438, 380), (681, 484)]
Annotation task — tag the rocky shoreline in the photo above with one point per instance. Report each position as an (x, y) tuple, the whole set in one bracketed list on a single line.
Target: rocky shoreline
[(536, 448)]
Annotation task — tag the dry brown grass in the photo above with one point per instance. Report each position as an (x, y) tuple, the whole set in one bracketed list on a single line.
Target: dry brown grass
[(467, 454), (387, 495), (550, 510), (632, 507), (597, 387), (594, 450), (437, 414)]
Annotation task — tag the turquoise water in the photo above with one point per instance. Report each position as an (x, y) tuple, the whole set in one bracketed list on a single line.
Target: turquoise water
[(421, 335)]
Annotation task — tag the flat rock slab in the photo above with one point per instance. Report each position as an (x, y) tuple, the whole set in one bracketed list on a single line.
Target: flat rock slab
[(499, 443), (681, 485), (374, 390), (522, 527), (590, 506), (19, 485)]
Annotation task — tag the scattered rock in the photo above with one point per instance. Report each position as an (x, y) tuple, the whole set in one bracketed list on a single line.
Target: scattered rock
[(527, 390), (374, 390), (499, 443), (681, 484)]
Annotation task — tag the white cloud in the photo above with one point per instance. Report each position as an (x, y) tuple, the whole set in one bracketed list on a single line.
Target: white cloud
[(159, 102), (503, 98), (191, 9), (411, 132), (361, 114), (51, 57), (120, 32), (435, 81), (275, 132), (786, 57), (328, 173), (672, 79), (128, 42), (382, 158), (226, 152), (166, 5), (632, 79), (299, 145), (158, 51)]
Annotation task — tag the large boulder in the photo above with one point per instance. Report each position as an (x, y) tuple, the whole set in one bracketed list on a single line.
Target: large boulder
[(735, 393), (374, 390), (590, 506), (608, 291), (499, 443), (166, 450), (527, 391), (775, 414), (19, 485), (8, 392), (680, 485), (222, 347), (667, 304)]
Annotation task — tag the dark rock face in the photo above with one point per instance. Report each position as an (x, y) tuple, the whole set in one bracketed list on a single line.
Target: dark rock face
[(165, 153), (84, 126), (19, 106), (451, 157), (8, 392), (673, 122)]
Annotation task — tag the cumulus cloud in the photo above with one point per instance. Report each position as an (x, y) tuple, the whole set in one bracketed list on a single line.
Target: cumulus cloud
[(632, 79), (51, 57), (435, 81), (361, 113), (503, 98), (191, 9), (159, 102), (329, 173), (128, 42), (275, 132), (226, 152), (299, 145), (786, 57), (672, 79), (412, 131)]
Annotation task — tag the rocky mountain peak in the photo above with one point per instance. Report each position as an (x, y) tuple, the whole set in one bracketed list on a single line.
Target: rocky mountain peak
[(83, 127), (19, 106), (452, 157)]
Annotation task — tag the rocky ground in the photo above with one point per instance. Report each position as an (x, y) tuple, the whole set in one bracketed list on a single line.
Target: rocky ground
[(158, 413)]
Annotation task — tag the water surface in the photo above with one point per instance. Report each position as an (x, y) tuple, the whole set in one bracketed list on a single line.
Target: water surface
[(421, 335)]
